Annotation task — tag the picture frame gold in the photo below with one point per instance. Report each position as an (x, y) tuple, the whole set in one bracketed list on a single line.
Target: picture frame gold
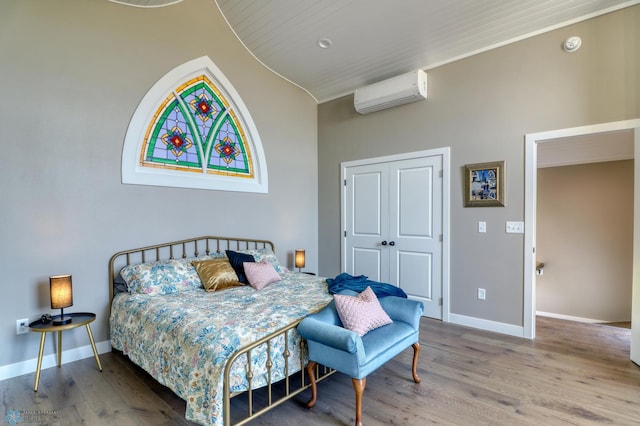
[(484, 184)]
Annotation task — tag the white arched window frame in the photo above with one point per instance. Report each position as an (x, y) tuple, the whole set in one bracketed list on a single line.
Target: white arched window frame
[(242, 146)]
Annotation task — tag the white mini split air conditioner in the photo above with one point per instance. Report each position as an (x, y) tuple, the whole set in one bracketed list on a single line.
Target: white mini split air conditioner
[(403, 89)]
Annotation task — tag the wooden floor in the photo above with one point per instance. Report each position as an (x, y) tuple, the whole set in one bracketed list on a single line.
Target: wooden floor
[(571, 374)]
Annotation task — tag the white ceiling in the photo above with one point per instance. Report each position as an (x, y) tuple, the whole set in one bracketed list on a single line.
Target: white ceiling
[(376, 39), (372, 40)]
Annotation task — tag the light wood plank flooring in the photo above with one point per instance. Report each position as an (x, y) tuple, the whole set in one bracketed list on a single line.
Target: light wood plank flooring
[(571, 374)]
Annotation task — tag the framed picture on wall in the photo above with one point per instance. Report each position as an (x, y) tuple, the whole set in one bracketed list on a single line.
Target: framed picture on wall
[(484, 184)]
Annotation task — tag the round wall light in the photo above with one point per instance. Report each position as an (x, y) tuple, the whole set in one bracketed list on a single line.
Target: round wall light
[(572, 44)]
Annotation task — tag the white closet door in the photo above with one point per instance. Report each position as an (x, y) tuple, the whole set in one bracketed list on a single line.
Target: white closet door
[(415, 222), (393, 226), (367, 213)]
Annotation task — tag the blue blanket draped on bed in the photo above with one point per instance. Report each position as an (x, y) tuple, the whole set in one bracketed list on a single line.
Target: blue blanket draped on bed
[(358, 284)]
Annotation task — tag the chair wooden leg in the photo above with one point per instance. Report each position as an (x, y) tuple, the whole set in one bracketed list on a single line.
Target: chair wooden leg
[(311, 372), (414, 368), (358, 386)]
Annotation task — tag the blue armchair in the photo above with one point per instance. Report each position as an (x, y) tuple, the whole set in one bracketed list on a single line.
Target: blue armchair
[(343, 350)]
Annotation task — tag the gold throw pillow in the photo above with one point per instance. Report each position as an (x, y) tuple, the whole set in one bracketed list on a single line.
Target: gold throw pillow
[(216, 274)]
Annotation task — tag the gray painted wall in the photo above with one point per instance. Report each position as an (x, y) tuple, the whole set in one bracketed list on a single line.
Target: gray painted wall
[(585, 238), (72, 73), (482, 107)]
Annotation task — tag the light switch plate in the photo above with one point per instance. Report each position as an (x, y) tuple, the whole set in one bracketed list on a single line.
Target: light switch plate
[(515, 228), (482, 227), (482, 294)]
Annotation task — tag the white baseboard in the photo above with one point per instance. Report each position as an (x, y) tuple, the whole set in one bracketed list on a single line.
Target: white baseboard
[(498, 327), (569, 317), (48, 361)]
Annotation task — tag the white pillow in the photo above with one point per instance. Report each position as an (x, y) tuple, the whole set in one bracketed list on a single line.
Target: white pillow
[(267, 255)]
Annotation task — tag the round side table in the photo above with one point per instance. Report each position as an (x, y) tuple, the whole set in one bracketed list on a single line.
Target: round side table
[(77, 319)]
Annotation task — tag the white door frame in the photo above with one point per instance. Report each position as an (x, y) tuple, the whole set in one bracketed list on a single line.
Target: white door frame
[(530, 190), (445, 153)]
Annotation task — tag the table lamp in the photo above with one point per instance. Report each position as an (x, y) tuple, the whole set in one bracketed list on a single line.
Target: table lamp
[(299, 259), (61, 296)]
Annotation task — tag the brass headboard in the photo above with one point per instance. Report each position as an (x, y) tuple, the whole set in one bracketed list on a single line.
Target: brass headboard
[(192, 247)]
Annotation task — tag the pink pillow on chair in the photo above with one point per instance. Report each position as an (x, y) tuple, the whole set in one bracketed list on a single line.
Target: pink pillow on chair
[(361, 313), (260, 274)]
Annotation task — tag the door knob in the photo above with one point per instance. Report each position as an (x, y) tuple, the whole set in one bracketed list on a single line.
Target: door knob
[(392, 243), (384, 243)]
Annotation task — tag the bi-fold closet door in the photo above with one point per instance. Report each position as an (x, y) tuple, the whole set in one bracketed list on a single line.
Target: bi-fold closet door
[(392, 213)]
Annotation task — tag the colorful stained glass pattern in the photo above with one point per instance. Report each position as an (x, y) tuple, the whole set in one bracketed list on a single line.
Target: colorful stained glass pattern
[(196, 130), (229, 153)]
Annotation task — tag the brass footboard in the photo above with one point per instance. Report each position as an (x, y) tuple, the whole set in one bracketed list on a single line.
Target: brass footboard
[(290, 389)]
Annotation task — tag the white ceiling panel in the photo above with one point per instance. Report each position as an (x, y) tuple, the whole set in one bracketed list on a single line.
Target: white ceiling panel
[(377, 39)]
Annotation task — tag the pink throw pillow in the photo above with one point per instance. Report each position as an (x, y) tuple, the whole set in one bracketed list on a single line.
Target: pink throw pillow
[(260, 274), (361, 313)]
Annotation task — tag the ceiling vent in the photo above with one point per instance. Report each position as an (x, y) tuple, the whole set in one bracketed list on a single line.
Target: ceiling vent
[(403, 89)]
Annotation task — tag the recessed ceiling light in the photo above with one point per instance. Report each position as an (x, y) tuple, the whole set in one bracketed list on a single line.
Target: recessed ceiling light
[(324, 43)]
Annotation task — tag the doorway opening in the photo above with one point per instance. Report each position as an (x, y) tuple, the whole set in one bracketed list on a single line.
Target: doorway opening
[(584, 228), (532, 141)]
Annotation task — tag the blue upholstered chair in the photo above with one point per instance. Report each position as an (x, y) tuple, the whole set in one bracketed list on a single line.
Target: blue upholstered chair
[(336, 347)]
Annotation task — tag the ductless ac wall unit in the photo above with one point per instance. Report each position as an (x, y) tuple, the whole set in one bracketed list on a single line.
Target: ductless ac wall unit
[(403, 89)]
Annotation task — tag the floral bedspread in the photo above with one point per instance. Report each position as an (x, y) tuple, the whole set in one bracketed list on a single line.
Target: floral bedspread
[(184, 339)]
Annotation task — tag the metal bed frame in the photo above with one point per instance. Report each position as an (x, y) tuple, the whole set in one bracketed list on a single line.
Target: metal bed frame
[(199, 246)]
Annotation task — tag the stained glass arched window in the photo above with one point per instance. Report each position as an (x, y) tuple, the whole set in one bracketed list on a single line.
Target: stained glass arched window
[(192, 130)]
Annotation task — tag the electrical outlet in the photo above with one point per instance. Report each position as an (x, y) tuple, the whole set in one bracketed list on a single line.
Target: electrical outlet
[(482, 293), (514, 227), (22, 326)]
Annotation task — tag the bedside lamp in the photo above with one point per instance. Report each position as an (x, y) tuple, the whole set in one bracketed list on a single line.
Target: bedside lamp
[(61, 296), (299, 259)]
